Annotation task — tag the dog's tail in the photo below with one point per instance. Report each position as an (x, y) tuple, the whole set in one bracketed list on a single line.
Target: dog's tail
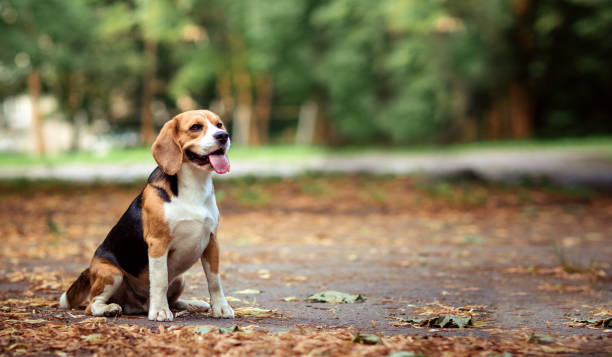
[(77, 292)]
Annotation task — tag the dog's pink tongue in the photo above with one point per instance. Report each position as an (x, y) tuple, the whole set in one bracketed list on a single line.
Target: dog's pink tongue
[(219, 163)]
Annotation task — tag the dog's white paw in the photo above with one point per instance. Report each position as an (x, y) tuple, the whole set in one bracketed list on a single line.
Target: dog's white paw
[(112, 310), (192, 305), (222, 310), (160, 313)]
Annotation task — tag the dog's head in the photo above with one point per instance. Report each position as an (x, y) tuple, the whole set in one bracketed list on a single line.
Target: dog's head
[(197, 137)]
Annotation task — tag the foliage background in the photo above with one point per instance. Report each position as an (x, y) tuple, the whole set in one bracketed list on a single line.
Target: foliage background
[(386, 72)]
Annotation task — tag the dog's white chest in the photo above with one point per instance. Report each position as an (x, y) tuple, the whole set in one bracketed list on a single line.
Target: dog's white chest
[(190, 221)]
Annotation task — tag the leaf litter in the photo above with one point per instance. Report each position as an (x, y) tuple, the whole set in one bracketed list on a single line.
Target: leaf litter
[(27, 241), (100, 336), (437, 315), (591, 323)]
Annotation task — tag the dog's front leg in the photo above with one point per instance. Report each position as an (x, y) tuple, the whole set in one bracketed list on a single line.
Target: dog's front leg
[(158, 288), (210, 262)]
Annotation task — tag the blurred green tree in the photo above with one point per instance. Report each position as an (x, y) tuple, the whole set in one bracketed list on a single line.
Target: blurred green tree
[(34, 44), (160, 21), (350, 71), (78, 57), (569, 74)]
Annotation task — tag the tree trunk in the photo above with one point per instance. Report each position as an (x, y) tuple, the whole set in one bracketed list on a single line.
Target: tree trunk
[(520, 111), (325, 132), (34, 87), (242, 125), (224, 91), (511, 113), (75, 144), (147, 132), (494, 120), (465, 128), (73, 100), (307, 123), (259, 132), (519, 96)]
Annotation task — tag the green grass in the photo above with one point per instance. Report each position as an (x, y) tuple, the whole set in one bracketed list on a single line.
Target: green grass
[(290, 152), (130, 155), (598, 143), (143, 154), (594, 142)]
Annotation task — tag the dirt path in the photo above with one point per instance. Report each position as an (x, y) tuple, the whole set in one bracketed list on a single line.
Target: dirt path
[(518, 260)]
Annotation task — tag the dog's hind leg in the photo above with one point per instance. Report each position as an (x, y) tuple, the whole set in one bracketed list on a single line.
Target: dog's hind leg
[(175, 289), (105, 281)]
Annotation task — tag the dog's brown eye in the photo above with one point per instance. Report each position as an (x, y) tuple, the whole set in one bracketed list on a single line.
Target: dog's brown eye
[(196, 127), (219, 125)]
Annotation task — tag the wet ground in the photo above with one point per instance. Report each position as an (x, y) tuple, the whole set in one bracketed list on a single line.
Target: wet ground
[(515, 258)]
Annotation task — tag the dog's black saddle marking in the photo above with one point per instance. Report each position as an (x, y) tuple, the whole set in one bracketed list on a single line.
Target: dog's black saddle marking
[(124, 245)]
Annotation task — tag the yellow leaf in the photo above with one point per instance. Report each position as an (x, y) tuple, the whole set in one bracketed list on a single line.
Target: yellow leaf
[(253, 311), (247, 292)]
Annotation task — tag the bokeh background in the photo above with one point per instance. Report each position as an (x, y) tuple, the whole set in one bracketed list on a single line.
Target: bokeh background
[(100, 76)]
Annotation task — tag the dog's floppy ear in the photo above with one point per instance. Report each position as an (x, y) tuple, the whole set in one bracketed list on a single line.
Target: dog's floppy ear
[(166, 149)]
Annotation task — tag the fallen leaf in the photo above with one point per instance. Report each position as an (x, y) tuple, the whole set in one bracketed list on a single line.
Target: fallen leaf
[(599, 323), (253, 311), (560, 287), (234, 328), (264, 274), (92, 320), (203, 330), (32, 321), (335, 297), (366, 339), (93, 338), (7, 331), (290, 298), (560, 349), (181, 313), (540, 339), (442, 321), (75, 316), (602, 312), (247, 292)]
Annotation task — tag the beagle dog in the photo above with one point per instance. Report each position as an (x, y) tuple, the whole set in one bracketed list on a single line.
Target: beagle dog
[(169, 226)]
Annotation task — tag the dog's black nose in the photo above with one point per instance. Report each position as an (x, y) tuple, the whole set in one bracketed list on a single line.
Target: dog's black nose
[(221, 136)]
